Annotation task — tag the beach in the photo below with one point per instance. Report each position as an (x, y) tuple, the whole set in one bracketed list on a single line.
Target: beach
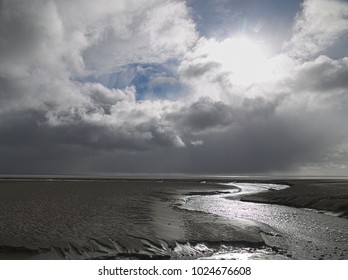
[(172, 219)]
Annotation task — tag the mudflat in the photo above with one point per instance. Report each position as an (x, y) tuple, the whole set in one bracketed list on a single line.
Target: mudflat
[(323, 195)]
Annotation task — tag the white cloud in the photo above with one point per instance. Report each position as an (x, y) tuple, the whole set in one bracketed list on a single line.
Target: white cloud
[(197, 143), (319, 25), (152, 34)]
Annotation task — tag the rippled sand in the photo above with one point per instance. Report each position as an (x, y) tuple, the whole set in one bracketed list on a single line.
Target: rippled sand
[(114, 219)]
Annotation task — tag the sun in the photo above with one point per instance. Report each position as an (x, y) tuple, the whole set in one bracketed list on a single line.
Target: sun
[(242, 58)]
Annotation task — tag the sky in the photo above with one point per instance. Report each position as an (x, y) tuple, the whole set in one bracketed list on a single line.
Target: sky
[(214, 87)]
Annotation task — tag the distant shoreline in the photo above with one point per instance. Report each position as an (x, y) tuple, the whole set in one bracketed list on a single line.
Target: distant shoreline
[(175, 177)]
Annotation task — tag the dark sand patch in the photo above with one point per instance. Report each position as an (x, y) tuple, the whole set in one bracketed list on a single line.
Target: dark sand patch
[(207, 193)]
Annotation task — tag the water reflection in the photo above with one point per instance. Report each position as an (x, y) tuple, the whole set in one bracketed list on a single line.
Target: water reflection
[(307, 234)]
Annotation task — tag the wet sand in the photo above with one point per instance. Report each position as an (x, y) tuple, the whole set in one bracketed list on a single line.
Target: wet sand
[(115, 219), (329, 196), (170, 219)]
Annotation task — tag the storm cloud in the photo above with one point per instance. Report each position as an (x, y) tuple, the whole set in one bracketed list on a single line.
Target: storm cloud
[(72, 98)]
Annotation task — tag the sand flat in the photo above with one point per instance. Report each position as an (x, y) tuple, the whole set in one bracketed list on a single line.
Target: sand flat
[(327, 195)]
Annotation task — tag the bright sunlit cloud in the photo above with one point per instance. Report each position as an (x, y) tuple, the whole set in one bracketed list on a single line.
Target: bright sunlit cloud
[(242, 58)]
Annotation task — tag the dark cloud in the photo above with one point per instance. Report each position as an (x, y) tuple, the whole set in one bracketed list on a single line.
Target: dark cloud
[(205, 114), (323, 74), (258, 140), (199, 69)]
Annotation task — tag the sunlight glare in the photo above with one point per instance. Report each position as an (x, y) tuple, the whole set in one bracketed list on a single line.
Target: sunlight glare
[(242, 58)]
